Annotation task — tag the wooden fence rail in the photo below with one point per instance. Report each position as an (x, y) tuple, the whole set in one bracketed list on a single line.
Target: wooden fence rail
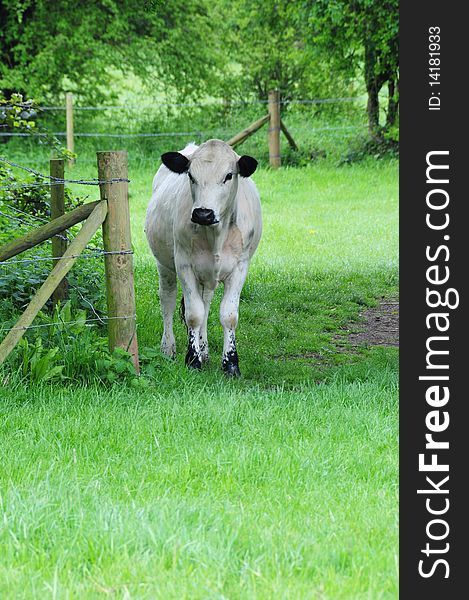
[(240, 137), (62, 267), (46, 231), (288, 135)]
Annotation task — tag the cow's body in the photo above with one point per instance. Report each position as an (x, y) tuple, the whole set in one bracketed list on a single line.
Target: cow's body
[(216, 248)]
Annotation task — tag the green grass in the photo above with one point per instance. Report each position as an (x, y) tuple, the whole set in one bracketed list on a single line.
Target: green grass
[(329, 247), (280, 485)]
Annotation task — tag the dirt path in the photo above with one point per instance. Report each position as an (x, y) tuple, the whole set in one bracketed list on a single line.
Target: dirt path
[(379, 326)]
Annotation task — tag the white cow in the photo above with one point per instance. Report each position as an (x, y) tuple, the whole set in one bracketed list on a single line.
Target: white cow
[(203, 225)]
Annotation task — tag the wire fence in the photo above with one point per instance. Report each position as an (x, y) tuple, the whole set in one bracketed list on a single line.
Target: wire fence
[(96, 253), (220, 103), (28, 223), (59, 323), (93, 253), (199, 134), (110, 135), (193, 134), (57, 180)]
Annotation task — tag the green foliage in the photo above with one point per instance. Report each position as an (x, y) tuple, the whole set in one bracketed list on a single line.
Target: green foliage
[(20, 116), (32, 201), (115, 367), (83, 347), (18, 284), (23, 207), (199, 50), (363, 147), (362, 37), (65, 346), (17, 114), (20, 281), (55, 49), (269, 47), (37, 363), (349, 29)]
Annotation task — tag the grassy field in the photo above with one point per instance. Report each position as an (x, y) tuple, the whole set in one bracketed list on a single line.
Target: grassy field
[(280, 485)]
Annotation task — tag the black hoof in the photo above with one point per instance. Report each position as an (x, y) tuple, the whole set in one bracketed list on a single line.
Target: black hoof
[(230, 365), (193, 361), (231, 370)]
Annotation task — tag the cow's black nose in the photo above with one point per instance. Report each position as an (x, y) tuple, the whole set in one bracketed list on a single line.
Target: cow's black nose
[(203, 216)]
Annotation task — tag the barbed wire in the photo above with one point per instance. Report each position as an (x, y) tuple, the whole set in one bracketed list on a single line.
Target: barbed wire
[(28, 169), (21, 212), (51, 181), (57, 180), (116, 135), (332, 128), (220, 103), (192, 134), (15, 186), (101, 318), (12, 217), (18, 186), (67, 323), (77, 289), (96, 253), (35, 218), (31, 223)]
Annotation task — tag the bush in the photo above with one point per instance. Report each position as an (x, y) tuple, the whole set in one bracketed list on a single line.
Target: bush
[(20, 281), (67, 348), (22, 209), (366, 147)]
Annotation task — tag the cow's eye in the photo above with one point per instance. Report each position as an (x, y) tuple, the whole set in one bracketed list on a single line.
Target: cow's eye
[(190, 177), (228, 177)]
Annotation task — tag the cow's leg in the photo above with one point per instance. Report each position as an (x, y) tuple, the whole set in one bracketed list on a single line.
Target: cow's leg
[(167, 291), (194, 313), (229, 318), (207, 295)]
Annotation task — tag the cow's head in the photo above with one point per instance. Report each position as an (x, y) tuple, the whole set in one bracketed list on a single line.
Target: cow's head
[(213, 171)]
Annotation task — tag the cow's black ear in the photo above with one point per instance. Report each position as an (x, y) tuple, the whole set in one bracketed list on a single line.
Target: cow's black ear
[(175, 161), (247, 165)]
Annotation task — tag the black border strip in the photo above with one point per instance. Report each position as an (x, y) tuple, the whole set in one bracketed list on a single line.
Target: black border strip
[(442, 129)]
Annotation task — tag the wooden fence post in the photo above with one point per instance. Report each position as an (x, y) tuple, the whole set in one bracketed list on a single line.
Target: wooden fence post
[(57, 209), (69, 116), (122, 326), (274, 129)]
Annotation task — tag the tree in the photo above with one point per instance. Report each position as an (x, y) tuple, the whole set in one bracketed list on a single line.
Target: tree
[(47, 48), (363, 36), (268, 45)]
